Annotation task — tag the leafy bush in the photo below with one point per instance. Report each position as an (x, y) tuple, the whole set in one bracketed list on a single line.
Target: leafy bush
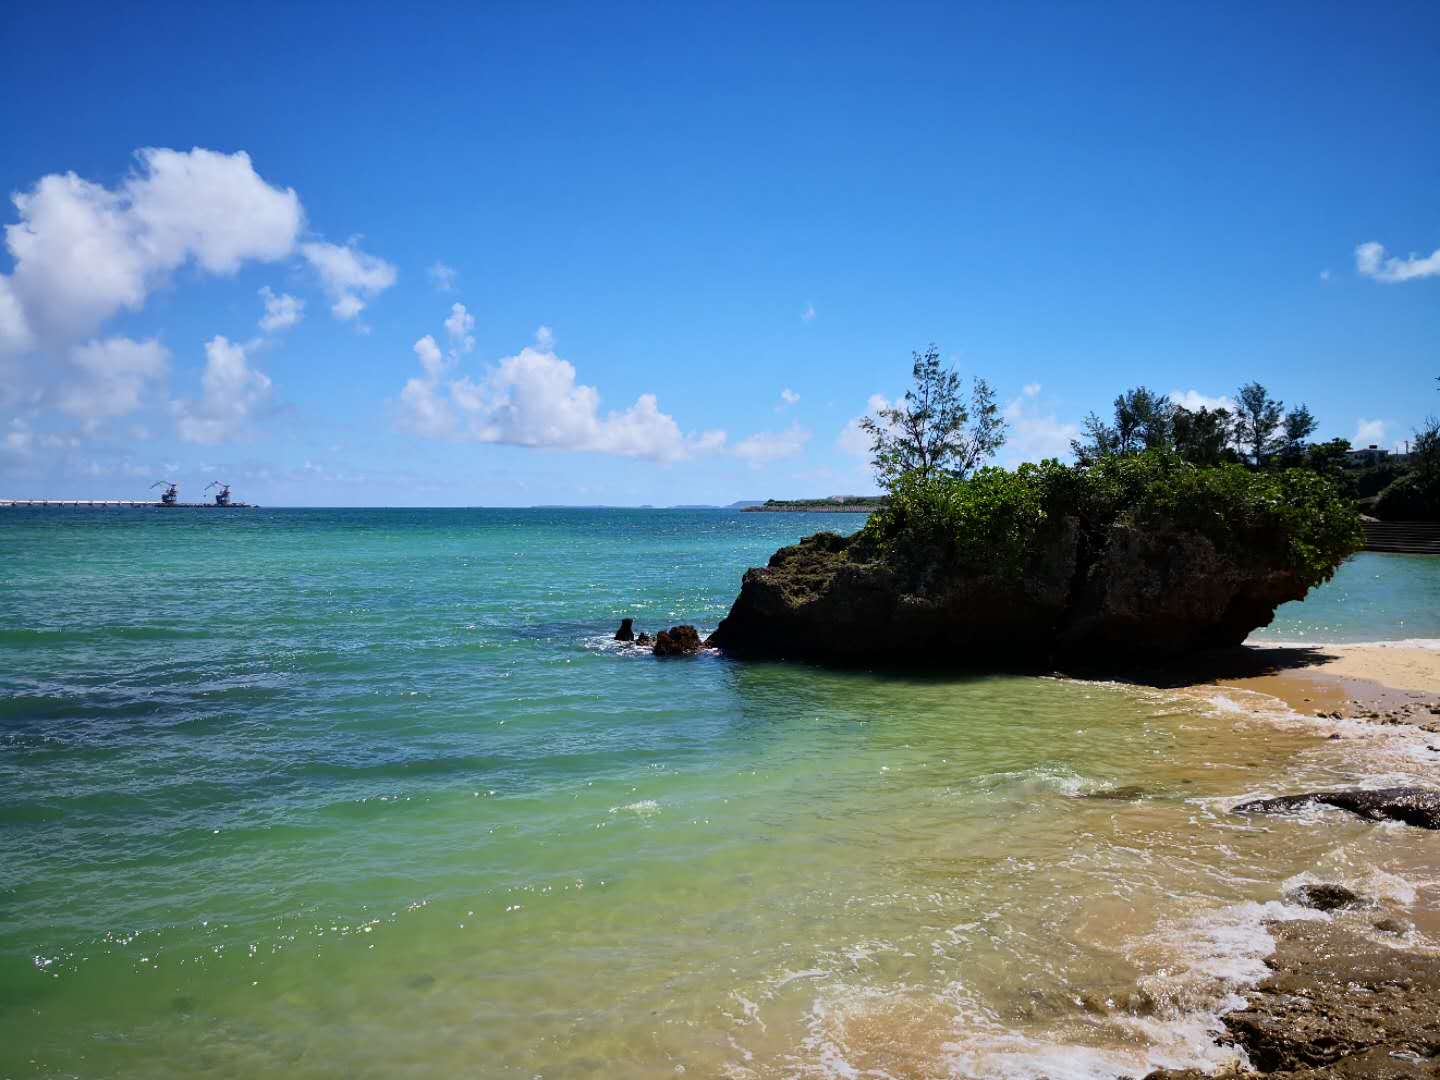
[(1409, 498), (992, 521)]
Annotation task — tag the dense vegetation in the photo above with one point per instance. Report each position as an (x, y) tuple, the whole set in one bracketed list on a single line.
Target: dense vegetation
[(1415, 494), (991, 522), (1248, 480)]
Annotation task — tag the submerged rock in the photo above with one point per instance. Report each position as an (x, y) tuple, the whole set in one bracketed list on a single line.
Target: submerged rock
[(1124, 793), (626, 631), (1325, 897), (1413, 805), (643, 639), (1107, 601), (677, 641)]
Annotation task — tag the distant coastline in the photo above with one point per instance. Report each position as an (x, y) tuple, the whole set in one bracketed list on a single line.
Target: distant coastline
[(835, 504)]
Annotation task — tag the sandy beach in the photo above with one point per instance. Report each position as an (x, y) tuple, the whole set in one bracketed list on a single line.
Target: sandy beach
[(1397, 681)]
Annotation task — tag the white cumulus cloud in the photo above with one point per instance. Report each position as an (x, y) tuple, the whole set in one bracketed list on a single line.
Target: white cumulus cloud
[(1369, 432), (83, 252), (1194, 401), (458, 325), (231, 391), (430, 356), (534, 399), (788, 397), (351, 277), (282, 310), (110, 376), (1372, 261), (1034, 434), (855, 440)]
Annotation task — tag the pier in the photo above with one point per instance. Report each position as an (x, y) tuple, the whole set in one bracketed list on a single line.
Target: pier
[(130, 503), (169, 500)]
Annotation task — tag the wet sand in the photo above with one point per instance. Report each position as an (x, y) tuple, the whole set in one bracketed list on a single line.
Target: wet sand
[(1396, 683)]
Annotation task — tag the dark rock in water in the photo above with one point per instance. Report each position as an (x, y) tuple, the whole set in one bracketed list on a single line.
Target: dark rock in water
[(643, 639), (1412, 805), (677, 641), (626, 631), (1392, 925), (1338, 1006), (1092, 601), (1325, 897)]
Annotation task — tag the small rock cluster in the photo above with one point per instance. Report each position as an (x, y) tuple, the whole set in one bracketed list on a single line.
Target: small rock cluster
[(677, 641), (1422, 714)]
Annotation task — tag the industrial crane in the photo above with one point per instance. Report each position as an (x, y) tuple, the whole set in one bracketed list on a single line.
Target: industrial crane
[(222, 497), (170, 495)]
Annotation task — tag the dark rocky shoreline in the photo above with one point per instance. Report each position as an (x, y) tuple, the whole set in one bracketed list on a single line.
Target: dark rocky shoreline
[(1337, 1005)]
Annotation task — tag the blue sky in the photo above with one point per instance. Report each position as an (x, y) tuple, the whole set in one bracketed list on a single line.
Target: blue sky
[(659, 219)]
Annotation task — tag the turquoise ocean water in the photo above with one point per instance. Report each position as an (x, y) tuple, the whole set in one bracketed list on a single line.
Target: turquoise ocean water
[(371, 793)]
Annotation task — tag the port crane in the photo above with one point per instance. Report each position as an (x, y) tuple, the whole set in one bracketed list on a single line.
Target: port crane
[(171, 495), (222, 497)]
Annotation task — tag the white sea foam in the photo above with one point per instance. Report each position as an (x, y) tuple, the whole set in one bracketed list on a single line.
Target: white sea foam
[(1430, 644), (643, 808)]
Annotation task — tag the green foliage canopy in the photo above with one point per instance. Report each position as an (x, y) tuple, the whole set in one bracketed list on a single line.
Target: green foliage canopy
[(994, 521), (933, 430)]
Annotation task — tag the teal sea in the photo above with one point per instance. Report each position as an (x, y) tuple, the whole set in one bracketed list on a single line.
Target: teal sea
[(371, 793)]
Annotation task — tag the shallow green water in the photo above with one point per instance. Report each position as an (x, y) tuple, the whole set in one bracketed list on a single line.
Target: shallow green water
[(1372, 597), (371, 793)]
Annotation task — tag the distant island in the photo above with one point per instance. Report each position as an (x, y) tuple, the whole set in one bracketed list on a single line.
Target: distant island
[(834, 504)]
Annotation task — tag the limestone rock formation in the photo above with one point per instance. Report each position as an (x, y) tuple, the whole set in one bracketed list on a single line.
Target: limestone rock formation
[(1110, 602)]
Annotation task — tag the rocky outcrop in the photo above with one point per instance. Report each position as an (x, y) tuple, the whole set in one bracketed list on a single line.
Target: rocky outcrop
[(677, 641), (1097, 602), (1336, 1005), (1413, 805), (626, 631)]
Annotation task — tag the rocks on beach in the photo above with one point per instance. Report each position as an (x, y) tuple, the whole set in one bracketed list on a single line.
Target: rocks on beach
[(1413, 805), (1337, 1005)]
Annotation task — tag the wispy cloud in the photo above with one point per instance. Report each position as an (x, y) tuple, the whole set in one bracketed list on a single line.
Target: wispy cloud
[(1372, 261), (766, 446), (442, 276)]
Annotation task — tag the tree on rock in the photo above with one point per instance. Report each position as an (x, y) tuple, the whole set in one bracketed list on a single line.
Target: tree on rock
[(932, 431), (1258, 417)]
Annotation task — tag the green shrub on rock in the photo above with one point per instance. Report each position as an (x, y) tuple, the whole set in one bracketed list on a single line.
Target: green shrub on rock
[(1296, 519)]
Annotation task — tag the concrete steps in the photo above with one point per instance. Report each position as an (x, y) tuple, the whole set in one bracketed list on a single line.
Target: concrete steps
[(1404, 537)]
